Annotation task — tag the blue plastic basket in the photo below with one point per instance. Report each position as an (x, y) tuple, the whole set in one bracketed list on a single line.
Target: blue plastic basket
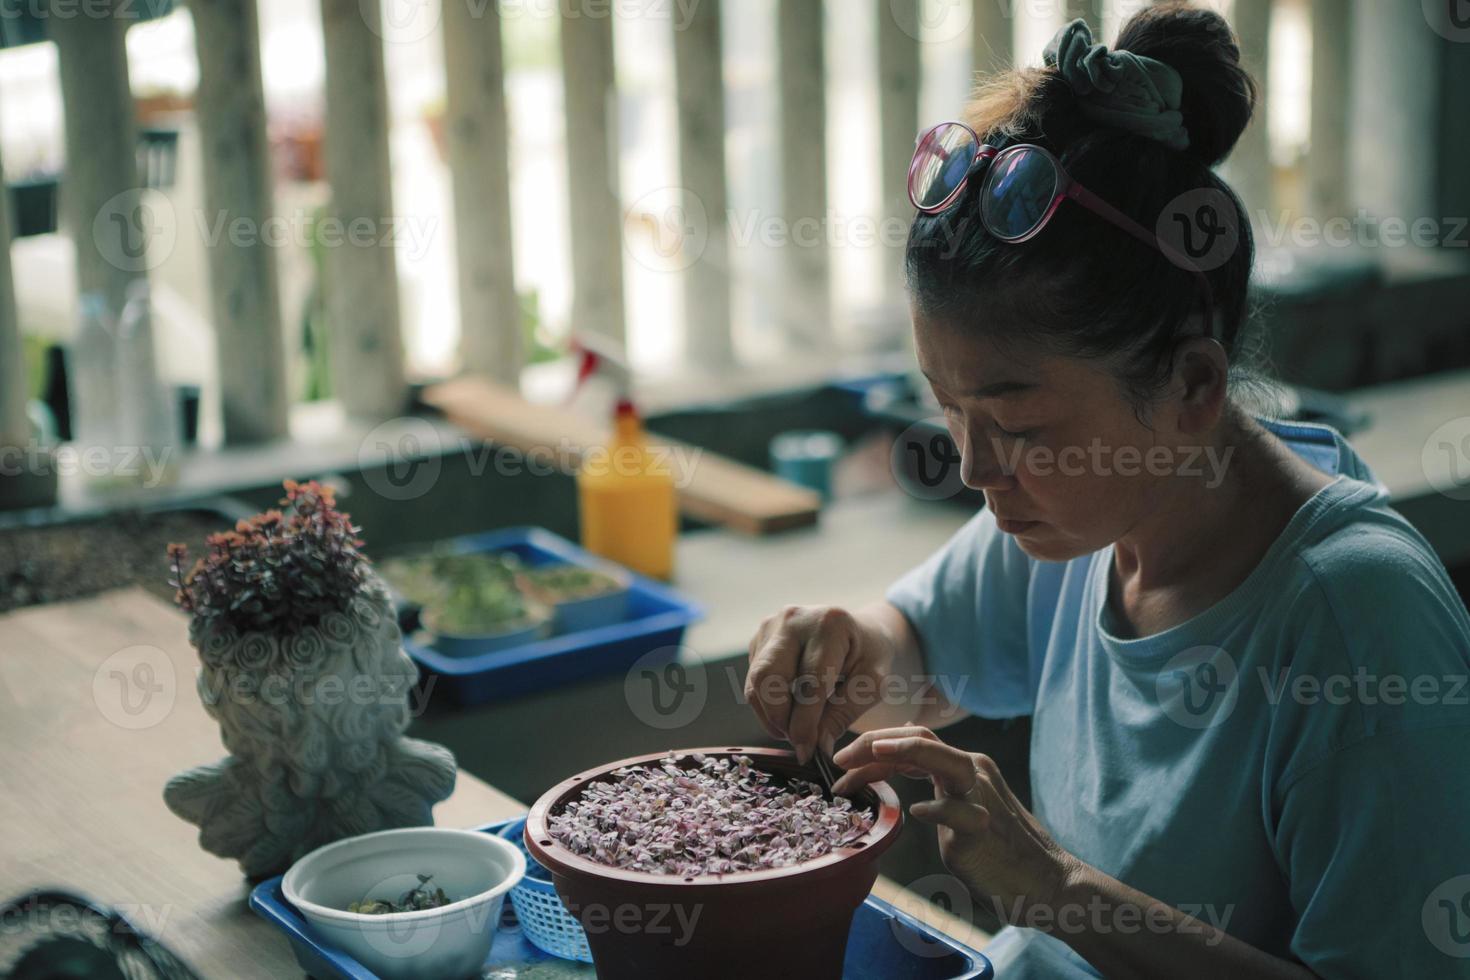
[(655, 620), (542, 916), (885, 943)]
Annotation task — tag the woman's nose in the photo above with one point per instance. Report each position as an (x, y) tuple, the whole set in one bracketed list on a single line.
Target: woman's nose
[(983, 463)]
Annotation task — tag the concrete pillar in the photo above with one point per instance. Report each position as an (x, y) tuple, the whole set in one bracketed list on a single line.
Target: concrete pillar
[(1249, 167), (993, 29), (802, 77), (1327, 159), (245, 296), (479, 165), (700, 89), (899, 29), (361, 271), (596, 212)]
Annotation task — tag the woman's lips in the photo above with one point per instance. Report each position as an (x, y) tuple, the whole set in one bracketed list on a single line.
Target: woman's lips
[(1015, 527)]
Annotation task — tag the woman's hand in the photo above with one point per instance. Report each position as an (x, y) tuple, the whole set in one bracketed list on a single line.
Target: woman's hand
[(986, 837), (815, 670)]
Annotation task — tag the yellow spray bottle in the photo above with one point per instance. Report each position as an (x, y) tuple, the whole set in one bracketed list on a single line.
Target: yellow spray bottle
[(629, 513)]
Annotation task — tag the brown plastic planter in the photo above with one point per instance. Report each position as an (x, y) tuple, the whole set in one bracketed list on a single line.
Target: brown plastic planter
[(783, 922)]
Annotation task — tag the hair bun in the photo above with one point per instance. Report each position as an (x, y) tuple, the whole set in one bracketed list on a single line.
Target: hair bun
[(1219, 95)]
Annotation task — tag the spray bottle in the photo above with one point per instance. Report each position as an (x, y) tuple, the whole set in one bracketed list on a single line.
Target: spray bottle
[(625, 493)]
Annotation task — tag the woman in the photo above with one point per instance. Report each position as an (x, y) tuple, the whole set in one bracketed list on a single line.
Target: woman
[(1219, 660)]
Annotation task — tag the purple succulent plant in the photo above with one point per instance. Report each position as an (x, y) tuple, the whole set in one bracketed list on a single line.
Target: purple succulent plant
[(695, 814)]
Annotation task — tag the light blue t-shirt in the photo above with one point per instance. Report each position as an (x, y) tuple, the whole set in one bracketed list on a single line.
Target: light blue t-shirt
[(1291, 765)]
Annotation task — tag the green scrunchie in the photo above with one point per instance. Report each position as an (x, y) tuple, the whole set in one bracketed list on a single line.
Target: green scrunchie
[(1120, 89)]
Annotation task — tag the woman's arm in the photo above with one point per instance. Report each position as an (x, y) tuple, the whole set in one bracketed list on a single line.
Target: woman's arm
[(917, 699), (999, 850), (1125, 934)]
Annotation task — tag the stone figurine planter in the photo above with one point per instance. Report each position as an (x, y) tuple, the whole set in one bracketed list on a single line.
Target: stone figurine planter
[(313, 718)]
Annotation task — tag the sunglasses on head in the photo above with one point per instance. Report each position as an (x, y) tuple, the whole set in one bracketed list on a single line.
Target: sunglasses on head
[(1023, 187)]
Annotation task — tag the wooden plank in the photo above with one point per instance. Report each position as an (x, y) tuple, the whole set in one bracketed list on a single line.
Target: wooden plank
[(931, 914), (1327, 163), (245, 295), (87, 751), (1249, 165), (361, 271), (475, 130), (711, 488)]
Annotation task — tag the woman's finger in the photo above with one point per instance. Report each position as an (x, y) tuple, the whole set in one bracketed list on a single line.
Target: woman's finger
[(818, 668), (957, 815), (952, 769), (859, 752), (768, 683)]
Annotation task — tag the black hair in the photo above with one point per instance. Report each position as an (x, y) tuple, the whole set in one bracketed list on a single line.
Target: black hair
[(1083, 287)]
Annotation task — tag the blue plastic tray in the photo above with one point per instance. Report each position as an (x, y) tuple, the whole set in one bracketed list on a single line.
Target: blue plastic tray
[(657, 617), (885, 944)]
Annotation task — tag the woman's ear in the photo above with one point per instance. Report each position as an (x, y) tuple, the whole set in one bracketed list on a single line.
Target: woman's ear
[(1200, 383)]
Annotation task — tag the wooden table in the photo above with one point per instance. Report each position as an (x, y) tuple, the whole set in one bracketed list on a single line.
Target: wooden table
[(81, 779)]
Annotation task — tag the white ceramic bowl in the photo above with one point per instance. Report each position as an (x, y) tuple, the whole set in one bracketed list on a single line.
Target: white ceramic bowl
[(475, 869)]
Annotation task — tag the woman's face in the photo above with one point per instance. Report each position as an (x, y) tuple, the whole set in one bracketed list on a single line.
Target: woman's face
[(1064, 463)]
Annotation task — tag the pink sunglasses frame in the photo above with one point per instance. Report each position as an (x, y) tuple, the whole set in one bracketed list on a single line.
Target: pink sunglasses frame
[(1066, 188)]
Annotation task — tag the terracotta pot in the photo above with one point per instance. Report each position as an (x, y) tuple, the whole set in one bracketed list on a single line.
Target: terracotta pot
[(784, 922)]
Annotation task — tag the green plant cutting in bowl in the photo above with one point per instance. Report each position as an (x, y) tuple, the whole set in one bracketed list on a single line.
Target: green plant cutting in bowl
[(560, 583), (466, 594)]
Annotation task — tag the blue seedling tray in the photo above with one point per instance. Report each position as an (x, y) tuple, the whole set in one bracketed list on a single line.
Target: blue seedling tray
[(656, 619), (885, 943)]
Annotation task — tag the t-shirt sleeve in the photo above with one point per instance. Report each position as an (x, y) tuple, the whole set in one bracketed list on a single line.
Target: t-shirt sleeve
[(968, 604), (1371, 798)]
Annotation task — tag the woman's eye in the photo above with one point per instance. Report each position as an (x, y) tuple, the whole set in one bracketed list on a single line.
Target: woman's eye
[(1013, 433)]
